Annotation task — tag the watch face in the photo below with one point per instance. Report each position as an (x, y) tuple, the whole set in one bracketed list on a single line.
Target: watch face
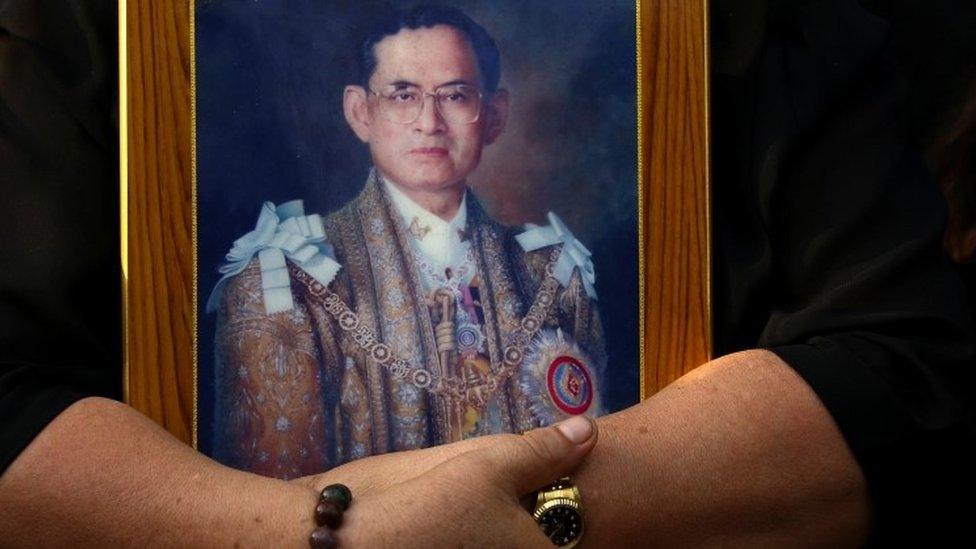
[(562, 524)]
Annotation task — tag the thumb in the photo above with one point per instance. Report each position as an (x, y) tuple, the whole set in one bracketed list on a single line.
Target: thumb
[(524, 463)]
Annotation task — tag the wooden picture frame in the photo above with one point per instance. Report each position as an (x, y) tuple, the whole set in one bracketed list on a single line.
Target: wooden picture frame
[(159, 164)]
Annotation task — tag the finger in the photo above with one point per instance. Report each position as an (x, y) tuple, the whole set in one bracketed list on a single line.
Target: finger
[(528, 462)]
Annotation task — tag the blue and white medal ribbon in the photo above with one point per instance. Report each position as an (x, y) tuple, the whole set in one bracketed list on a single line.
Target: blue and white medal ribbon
[(281, 232), (574, 254)]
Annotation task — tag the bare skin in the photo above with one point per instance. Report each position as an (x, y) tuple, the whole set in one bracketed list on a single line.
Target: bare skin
[(101, 474), (737, 453)]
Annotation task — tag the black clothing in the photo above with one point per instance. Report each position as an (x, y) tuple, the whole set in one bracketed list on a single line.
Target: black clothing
[(60, 275), (827, 251), (826, 244)]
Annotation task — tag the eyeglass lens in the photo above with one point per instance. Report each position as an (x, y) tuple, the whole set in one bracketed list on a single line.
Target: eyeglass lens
[(457, 104)]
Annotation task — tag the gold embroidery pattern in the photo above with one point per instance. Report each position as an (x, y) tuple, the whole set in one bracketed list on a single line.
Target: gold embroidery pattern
[(342, 402), (273, 402)]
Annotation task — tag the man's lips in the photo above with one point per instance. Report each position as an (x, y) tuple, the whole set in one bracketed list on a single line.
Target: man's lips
[(429, 151)]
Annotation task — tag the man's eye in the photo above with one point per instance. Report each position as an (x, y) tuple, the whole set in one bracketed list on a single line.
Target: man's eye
[(403, 97), (455, 97)]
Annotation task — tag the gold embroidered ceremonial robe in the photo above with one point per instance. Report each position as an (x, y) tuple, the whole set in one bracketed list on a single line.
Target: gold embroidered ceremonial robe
[(306, 389)]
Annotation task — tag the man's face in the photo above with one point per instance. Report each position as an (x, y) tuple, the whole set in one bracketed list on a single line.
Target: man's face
[(431, 153)]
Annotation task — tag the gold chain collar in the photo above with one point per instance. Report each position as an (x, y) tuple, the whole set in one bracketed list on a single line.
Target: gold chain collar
[(450, 387)]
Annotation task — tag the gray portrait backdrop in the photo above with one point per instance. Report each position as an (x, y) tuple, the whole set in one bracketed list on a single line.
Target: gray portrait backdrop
[(270, 75)]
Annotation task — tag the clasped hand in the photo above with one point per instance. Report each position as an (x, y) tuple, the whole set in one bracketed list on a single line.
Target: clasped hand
[(467, 494)]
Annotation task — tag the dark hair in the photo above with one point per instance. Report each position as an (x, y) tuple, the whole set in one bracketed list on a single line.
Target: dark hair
[(955, 168), (426, 16)]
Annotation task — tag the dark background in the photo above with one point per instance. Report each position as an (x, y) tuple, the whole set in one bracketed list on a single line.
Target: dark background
[(932, 43), (269, 127)]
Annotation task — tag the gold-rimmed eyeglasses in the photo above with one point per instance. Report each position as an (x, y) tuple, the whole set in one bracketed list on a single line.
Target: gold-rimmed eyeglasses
[(456, 103)]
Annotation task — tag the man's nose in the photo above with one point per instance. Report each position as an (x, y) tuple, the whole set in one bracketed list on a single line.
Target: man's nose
[(430, 120)]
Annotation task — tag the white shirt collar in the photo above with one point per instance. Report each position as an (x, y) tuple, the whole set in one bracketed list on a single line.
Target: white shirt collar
[(408, 209), (441, 240)]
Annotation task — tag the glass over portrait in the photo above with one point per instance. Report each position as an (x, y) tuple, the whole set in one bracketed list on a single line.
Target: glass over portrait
[(416, 224)]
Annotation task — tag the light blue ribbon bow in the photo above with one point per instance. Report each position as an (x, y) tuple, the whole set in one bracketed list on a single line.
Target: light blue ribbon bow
[(574, 254), (283, 231)]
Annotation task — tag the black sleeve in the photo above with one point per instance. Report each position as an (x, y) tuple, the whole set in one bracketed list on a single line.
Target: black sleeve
[(828, 253), (59, 247)]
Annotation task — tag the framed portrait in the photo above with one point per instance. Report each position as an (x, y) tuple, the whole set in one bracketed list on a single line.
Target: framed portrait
[(357, 228)]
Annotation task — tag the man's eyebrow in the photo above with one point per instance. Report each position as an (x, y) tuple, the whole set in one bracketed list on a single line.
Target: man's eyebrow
[(458, 83), (400, 84)]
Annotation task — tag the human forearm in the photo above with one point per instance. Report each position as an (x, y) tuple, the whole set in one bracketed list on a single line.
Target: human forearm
[(738, 452), (103, 475)]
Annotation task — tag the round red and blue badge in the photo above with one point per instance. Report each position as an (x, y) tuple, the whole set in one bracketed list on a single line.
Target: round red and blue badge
[(559, 379), (570, 385)]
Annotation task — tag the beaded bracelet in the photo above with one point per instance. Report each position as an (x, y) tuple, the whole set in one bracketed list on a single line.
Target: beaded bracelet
[(335, 499)]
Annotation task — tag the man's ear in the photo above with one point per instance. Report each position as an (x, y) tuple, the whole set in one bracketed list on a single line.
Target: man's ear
[(496, 115), (355, 107)]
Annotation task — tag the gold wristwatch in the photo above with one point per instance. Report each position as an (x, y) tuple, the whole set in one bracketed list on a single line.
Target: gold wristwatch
[(559, 512)]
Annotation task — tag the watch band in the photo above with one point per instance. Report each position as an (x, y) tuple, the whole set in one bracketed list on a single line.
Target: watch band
[(562, 488)]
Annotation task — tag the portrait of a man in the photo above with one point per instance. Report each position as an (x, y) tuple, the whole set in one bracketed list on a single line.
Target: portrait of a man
[(408, 316)]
